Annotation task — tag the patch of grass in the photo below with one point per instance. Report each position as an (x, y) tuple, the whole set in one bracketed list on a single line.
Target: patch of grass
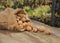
[(39, 12)]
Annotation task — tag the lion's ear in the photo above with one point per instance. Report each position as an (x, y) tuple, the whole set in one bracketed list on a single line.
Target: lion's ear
[(16, 11)]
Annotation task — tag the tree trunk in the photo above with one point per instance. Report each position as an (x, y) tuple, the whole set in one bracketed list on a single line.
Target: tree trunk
[(39, 2), (53, 12)]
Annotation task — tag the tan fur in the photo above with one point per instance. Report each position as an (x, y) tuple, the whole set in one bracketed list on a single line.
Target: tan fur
[(35, 29), (28, 28), (17, 20), (47, 32), (41, 28)]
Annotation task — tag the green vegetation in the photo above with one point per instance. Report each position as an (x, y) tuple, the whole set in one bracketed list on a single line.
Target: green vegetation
[(41, 12)]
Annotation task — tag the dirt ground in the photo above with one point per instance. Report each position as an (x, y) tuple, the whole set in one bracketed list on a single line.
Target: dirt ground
[(31, 37)]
